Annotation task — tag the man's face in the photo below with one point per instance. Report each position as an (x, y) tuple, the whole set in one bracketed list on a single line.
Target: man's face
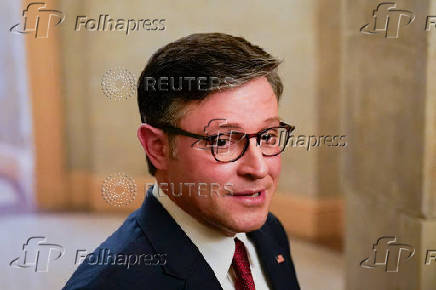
[(252, 107)]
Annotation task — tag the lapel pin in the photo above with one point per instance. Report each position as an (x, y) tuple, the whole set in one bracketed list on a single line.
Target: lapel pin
[(280, 259)]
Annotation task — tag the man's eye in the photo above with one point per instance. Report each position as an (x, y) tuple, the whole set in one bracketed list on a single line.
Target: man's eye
[(222, 142), (267, 137)]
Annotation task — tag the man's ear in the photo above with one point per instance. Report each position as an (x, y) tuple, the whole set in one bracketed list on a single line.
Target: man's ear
[(155, 144)]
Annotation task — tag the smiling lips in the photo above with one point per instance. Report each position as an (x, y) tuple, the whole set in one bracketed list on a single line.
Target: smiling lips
[(250, 198), (249, 193)]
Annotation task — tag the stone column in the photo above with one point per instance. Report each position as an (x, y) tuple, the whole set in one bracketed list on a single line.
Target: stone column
[(388, 170)]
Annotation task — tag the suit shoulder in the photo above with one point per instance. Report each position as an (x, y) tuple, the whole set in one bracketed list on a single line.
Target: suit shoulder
[(275, 228), (120, 257), (271, 218), (273, 221)]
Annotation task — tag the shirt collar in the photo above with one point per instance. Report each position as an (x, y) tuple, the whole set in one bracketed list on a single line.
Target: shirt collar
[(216, 248)]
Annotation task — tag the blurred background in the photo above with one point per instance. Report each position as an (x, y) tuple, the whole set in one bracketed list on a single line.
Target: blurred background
[(360, 69)]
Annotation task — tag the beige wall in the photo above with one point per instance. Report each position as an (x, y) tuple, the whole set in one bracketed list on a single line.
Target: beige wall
[(16, 154), (51, 179)]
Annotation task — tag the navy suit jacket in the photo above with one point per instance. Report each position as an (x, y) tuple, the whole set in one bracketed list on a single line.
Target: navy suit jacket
[(170, 260)]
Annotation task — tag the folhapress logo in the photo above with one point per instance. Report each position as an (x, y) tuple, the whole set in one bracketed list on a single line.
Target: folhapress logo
[(386, 253), (388, 20), (37, 254), (107, 23), (38, 20)]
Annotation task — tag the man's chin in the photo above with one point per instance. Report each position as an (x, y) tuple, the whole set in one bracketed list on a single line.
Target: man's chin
[(249, 224)]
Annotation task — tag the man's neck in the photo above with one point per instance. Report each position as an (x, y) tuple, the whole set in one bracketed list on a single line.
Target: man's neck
[(190, 211)]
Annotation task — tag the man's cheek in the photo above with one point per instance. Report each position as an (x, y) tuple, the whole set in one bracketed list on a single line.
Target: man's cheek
[(275, 166)]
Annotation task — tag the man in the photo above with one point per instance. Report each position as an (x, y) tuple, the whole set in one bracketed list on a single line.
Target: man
[(212, 137)]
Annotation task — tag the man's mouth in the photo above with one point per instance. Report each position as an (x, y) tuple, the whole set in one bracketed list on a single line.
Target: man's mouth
[(249, 198), (249, 193)]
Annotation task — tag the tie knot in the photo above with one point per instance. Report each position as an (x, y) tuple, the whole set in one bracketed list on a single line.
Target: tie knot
[(241, 265)]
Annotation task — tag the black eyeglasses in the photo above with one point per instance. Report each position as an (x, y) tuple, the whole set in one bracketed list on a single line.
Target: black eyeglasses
[(231, 145)]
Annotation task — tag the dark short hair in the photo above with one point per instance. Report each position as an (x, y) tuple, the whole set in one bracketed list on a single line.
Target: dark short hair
[(231, 61)]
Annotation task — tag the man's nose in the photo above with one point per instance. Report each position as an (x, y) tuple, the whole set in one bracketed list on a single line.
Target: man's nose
[(253, 163)]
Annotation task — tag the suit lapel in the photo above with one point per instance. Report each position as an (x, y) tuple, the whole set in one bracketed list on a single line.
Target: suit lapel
[(277, 271), (184, 260)]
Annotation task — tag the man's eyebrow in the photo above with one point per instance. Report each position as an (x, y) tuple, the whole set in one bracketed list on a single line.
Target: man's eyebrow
[(239, 126), (273, 119), (230, 125)]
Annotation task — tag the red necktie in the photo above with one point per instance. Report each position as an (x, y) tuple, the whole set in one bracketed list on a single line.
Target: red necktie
[(241, 266)]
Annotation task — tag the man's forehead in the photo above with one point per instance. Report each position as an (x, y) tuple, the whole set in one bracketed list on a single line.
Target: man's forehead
[(249, 106)]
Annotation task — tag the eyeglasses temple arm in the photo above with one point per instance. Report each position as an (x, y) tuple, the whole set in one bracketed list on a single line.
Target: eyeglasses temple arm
[(180, 131)]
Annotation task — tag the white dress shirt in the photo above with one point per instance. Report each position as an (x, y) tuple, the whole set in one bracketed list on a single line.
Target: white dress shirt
[(216, 248)]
